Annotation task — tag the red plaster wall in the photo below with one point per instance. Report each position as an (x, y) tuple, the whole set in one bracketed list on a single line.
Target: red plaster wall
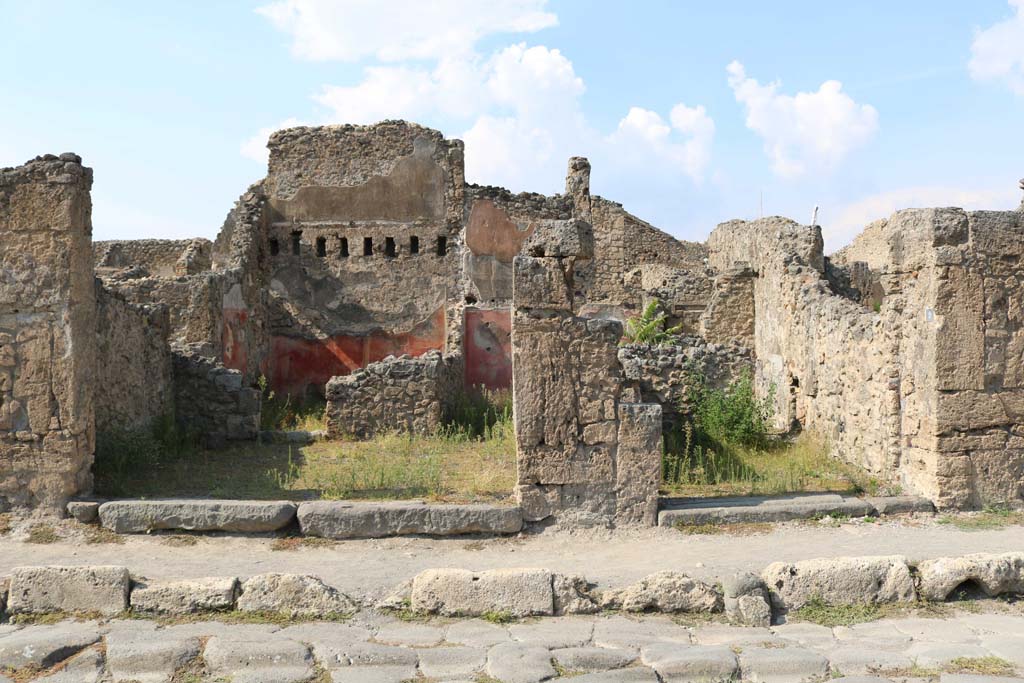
[(488, 348), (300, 364)]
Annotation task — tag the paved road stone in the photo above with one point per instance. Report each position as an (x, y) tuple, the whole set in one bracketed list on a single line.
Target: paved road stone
[(448, 663), (45, 646), (782, 665), (146, 657), (85, 667), (553, 633), (477, 633), (515, 663), (264, 660), (593, 658), (415, 635), (677, 663), (388, 673)]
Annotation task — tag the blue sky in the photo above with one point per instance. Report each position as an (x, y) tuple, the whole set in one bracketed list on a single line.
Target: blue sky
[(692, 114)]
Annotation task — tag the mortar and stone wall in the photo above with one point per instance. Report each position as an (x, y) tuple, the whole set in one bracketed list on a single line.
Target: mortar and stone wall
[(402, 394), (664, 374), (583, 455), (134, 379), (213, 402), (159, 258), (921, 391), (47, 332)]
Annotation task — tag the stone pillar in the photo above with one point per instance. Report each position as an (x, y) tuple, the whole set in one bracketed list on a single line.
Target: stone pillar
[(47, 332), (566, 384), (577, 186)]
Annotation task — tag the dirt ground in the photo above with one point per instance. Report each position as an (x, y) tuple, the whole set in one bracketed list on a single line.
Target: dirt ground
[(610, 558)]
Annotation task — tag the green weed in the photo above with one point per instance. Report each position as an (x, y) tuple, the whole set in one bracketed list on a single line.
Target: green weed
[(650, 327)]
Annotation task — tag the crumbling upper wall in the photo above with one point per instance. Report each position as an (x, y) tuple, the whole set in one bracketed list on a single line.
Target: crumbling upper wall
[(159, 258), (47, 332)]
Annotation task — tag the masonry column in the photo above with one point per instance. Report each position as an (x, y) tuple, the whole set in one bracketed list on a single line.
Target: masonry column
[(47, 332), (582, 457)]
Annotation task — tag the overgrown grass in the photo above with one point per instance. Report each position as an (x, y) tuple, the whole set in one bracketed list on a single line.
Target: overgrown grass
[(985, 666), (991, 517), (726, 449), (42, 534), (122, 454), (288, 413), (732, 529), (472, 458)]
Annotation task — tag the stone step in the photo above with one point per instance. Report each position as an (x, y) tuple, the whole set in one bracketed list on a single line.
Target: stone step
[(782, 508), (246, 516), (341, 520)]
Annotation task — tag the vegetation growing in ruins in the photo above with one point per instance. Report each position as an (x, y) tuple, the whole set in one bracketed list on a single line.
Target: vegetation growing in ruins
[(285, 413), (124, 454), (650, 327), (991, 517), (726, 448), (471, 458)]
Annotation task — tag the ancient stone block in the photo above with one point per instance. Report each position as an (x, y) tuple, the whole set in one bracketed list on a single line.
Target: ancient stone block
[(142, 516), (638, 464), (839, 581), (457, 592), (185, 596), (991, 574), (560, 239), (294, 594), (338, 520), (544, 283), (39, 590), (665, 591)]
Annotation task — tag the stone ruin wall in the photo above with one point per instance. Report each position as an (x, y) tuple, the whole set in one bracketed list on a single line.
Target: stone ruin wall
[(923, 390), (583, 454), (356, 211), (411, 395), (134, 384), (159, 258), (47, 332), (212, 402)]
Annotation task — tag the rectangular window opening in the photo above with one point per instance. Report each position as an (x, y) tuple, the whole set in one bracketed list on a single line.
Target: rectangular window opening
[(389, 246), (442, 245), (344, 247), (296, 242), (321, 246), (414, 245), (275, 247), (367, 246)]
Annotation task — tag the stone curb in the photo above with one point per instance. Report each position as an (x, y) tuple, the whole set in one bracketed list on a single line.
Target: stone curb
[(245, 516), (747, 599)]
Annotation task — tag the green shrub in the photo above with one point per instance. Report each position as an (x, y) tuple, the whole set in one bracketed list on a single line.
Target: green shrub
[(649, 327), (734, 414), (285, 413)]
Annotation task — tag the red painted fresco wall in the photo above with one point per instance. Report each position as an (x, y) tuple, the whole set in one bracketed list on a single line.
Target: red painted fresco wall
[(232, 339), (298, 365), (488, 348)]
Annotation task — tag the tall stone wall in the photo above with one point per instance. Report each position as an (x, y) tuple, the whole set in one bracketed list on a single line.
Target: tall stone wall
[(356, 211), (213, 402), (583, 455), (134, 380), (47, 332), (921, 388)]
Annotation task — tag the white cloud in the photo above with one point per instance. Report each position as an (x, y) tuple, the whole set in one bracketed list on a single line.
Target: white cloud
[(807, 131), (684, 143), (852, 218), (397, 30), (255, 148), (997, 53)]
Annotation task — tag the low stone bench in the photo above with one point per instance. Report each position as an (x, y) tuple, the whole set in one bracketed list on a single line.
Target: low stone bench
[(245, 516), (340, 520)]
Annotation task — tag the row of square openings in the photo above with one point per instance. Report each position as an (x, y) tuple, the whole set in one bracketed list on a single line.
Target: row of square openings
[(390, 248)]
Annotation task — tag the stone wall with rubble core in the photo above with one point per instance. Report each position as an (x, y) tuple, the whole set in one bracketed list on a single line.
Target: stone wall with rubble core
[(665, 374), (212, 402), (921, 388), (159, 258), (47, 332), (364, 246), (958, 279), (134, 379), (403, 394), (584, 456)]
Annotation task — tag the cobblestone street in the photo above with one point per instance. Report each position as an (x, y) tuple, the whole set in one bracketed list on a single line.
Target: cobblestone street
[(374, 648)]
